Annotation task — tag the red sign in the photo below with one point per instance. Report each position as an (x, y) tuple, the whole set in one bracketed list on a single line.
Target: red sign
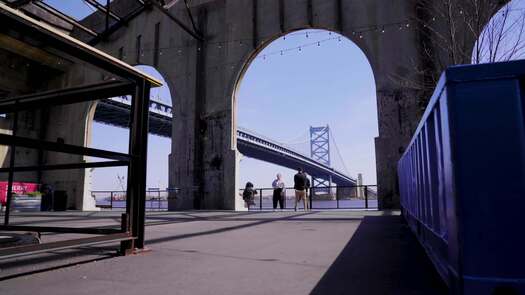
[(18, 188)]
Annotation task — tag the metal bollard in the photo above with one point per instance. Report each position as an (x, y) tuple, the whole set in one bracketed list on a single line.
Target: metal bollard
[(366, 197), (260, 199)]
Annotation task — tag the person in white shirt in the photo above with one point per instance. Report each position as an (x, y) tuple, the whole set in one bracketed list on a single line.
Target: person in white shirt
[(278, 192)]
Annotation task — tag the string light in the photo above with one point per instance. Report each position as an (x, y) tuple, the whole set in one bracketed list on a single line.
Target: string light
[(360, 30), (356, 31)]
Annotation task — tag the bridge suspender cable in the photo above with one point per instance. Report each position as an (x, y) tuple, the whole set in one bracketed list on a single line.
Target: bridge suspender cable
[(339, 153)]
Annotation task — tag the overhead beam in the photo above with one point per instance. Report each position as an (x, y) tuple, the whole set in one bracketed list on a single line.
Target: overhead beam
[(103, 9), (113, 28), (66, 96), (11, 18), (18, 3), (33, 53), (6, 139), (171, 16), (190, 15), (51, 10), (72, 166)]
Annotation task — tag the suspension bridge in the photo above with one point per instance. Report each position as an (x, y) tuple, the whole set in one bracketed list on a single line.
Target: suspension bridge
[(115, 111)]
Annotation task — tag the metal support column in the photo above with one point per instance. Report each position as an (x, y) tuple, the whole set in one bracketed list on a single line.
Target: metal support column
[(260, 200), (138, 148), (10, 180), (366, 197)]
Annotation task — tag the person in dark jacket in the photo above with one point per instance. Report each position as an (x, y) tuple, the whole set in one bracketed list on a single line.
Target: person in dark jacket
[(46, 203), (248, 195), (300, 181)]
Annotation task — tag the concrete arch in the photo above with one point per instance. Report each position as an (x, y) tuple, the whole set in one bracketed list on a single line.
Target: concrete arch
[(255, 53), (499, 8), (101, 114), (206, 73), (203, 158)]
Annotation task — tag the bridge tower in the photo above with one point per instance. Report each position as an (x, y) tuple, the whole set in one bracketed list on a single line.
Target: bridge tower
[(320, 151)]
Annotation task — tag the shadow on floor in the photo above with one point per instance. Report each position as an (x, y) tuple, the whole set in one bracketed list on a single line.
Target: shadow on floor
[(383, 257)]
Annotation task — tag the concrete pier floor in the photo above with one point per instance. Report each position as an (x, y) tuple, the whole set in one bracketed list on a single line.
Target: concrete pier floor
[(335, 252)]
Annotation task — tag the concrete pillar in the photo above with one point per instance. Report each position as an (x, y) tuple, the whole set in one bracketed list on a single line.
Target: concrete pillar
[(205, 76), (360, 191)]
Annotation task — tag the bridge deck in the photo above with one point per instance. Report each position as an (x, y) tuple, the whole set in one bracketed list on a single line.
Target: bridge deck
[(115, 111), (241, 253)]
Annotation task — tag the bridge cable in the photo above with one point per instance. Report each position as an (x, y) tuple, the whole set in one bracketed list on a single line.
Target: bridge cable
[(339, 153)]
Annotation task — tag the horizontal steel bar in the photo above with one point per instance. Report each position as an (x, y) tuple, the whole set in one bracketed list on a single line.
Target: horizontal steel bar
[(49, 9), (66, 166), (30, 143), (66, 96), (170, 15), (17, 3), (63, 230), (25, 25), (103, 9), (61, 245), (116, 26)]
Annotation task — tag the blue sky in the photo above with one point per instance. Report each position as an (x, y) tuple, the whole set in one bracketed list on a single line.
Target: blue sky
[(331, 84), (281, 96)]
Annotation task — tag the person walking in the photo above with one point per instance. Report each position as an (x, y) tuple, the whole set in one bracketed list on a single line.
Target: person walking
[(300, 188), (278, 192)]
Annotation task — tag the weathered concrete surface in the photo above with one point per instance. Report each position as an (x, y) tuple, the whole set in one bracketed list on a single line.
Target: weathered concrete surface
[(253, 253), (203, 77)]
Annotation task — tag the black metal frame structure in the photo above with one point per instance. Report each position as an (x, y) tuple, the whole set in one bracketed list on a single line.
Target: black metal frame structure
[(119, 21), (130, 82)]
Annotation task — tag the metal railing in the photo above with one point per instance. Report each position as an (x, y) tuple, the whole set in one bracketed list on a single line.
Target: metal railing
[(325, 198), (156, 200)]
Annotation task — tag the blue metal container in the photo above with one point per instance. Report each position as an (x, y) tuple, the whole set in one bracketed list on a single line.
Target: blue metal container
[(462, 179)]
